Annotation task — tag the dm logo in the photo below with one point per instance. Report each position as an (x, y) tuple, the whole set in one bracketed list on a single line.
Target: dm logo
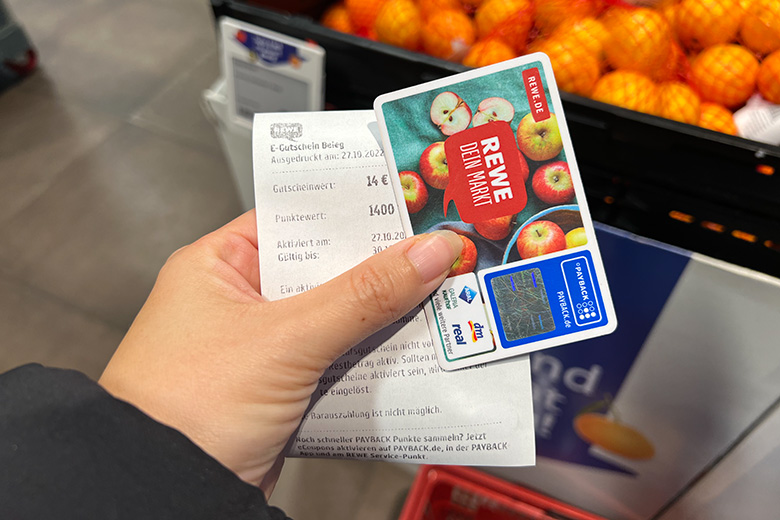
[(467, 294), (476, 331)]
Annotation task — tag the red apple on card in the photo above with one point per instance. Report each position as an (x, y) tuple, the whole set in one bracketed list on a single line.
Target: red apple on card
[(433, 166), (450, 113), (495, 228), (552, 183), (467, 260), (415, 192), (539, 141), (493, 109), (540, 238)]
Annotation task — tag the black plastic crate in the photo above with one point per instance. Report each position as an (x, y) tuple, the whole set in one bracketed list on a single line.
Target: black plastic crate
[(642, 173)]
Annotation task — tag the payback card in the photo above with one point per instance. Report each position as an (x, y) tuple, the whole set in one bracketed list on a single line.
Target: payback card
[(487, 154)]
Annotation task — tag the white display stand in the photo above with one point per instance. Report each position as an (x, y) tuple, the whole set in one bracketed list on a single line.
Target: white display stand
[(236, 141)]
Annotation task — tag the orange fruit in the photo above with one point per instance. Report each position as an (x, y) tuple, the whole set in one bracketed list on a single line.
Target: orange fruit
[(677, 65), (399, 23), (471, 5), (613, 436), (428, 7), (508, 20), (627, 89), (337, 18), (551, 13), (669, 8), (448, 34), (487, 52), (367, 32), (703, 23), (588, 31), (639, 39), (760, 29), (725, 74), (363, 12), (679, 102), (717, 117), (576, 68), (769, 78)]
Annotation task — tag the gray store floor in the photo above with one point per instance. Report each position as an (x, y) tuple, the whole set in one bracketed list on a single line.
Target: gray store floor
[(107, 166)]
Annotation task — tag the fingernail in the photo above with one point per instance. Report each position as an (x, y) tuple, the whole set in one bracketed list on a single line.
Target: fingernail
[(435, 254)]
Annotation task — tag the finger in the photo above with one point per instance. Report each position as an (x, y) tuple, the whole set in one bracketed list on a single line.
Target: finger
[(235, 244), (351, 307), (244, 226)]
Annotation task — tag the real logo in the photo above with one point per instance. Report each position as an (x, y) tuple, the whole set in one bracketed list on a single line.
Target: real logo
[(457, 331)]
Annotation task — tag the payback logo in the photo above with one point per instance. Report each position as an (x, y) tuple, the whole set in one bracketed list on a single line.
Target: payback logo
[(269, 51), (467, 294)]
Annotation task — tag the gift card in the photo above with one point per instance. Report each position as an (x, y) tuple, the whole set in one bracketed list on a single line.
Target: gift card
[(487, 154)]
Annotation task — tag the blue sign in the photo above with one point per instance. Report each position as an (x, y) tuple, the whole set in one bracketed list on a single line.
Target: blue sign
[(583, 377), (269, 51)]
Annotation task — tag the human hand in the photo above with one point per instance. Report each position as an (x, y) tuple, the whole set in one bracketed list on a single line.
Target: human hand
[(209, 356)]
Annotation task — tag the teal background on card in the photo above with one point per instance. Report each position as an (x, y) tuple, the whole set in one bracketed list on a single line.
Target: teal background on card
[(411, 131)]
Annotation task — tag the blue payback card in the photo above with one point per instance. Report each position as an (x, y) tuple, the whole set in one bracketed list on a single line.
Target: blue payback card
[(487, 154)]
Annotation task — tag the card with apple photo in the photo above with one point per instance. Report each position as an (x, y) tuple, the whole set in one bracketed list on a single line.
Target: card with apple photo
[(487, 154)]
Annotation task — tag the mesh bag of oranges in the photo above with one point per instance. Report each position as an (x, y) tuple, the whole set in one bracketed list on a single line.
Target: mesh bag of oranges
[(693, 61)]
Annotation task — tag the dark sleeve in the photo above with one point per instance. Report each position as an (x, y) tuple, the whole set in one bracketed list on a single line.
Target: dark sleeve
[(70, 450)]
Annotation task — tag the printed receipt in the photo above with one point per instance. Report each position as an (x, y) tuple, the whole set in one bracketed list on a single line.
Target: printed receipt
[(324, 204)]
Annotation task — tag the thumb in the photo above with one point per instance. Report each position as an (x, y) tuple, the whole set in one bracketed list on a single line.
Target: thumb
[(385, 287)]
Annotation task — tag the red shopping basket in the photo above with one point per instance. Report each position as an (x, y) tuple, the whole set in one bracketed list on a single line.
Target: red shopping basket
[(459, 493)]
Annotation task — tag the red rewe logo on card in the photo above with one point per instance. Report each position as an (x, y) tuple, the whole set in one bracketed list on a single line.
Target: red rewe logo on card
[(487, 173), (535, 92)]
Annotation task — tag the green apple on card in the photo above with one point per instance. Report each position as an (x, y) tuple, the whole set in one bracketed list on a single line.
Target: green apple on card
[(487, 154)]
